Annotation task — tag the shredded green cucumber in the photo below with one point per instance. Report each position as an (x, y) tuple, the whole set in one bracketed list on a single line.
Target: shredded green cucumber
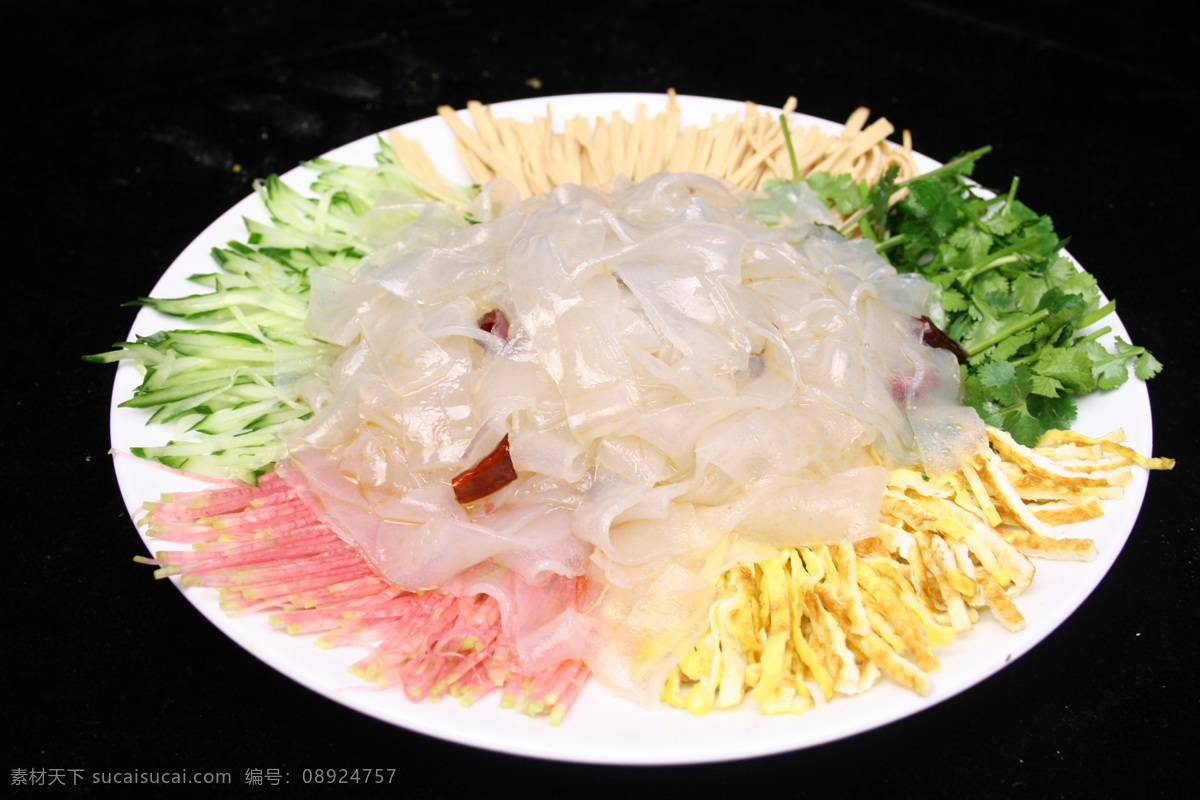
[(227, 382)]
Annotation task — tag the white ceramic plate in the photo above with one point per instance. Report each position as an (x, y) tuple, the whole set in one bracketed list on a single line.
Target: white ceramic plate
[(601, 728)]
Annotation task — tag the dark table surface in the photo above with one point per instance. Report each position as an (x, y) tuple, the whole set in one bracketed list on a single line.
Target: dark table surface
[(124, 122)]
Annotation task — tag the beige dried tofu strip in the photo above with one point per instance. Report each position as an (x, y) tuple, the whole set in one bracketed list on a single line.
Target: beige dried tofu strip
[(600, 152), (648, 155), (865, 166), (475, 165), (754, 163), (809, 150), (870, 137), (412, 156), (634, 141), (502, 137), (832, 155), (499, 141), (535, 162), (856, 120), (705, 140), (618, 143), (683, 151), (481, 117), (738, 144), (474, 143), (574, 157), (780, 165), (509, 143), (577, 130), (750, 110), (670, 132)]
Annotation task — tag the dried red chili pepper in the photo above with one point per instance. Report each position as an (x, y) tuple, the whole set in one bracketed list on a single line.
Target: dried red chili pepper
[(495, 322), (933, 336), (491, 474)]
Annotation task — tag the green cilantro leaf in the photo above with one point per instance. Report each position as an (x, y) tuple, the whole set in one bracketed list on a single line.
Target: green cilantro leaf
[(1006, 292), (1146, 366), (840, 190)]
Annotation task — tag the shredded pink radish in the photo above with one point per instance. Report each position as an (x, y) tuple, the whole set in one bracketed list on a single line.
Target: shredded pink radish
[(263, 550)]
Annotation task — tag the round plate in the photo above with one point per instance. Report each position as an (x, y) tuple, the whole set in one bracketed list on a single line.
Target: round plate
[(602, 728)]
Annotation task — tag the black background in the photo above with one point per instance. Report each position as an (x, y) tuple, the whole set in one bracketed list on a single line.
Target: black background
[(123, 121)]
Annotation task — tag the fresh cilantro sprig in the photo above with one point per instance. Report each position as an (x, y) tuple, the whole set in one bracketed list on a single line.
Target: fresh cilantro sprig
[(1004, 289), (1009, 295)]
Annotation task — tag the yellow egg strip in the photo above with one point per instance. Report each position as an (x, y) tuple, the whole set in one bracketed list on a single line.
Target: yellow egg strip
[(837, 616)]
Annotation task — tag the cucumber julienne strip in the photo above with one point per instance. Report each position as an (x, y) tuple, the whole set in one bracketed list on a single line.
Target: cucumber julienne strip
[(222, 298), (388, 175), (229, 382), (210, 446)]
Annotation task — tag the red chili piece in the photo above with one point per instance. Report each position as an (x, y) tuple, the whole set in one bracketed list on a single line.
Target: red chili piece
[(933, 336), (491, 474), (495, 322)]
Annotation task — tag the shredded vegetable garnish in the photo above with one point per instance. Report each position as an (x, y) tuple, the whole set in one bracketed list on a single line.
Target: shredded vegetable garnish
[(749, 150), (265, 551), (841, 616)]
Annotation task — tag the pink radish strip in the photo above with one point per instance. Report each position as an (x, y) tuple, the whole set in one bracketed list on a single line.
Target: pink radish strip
[(263, 549)]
